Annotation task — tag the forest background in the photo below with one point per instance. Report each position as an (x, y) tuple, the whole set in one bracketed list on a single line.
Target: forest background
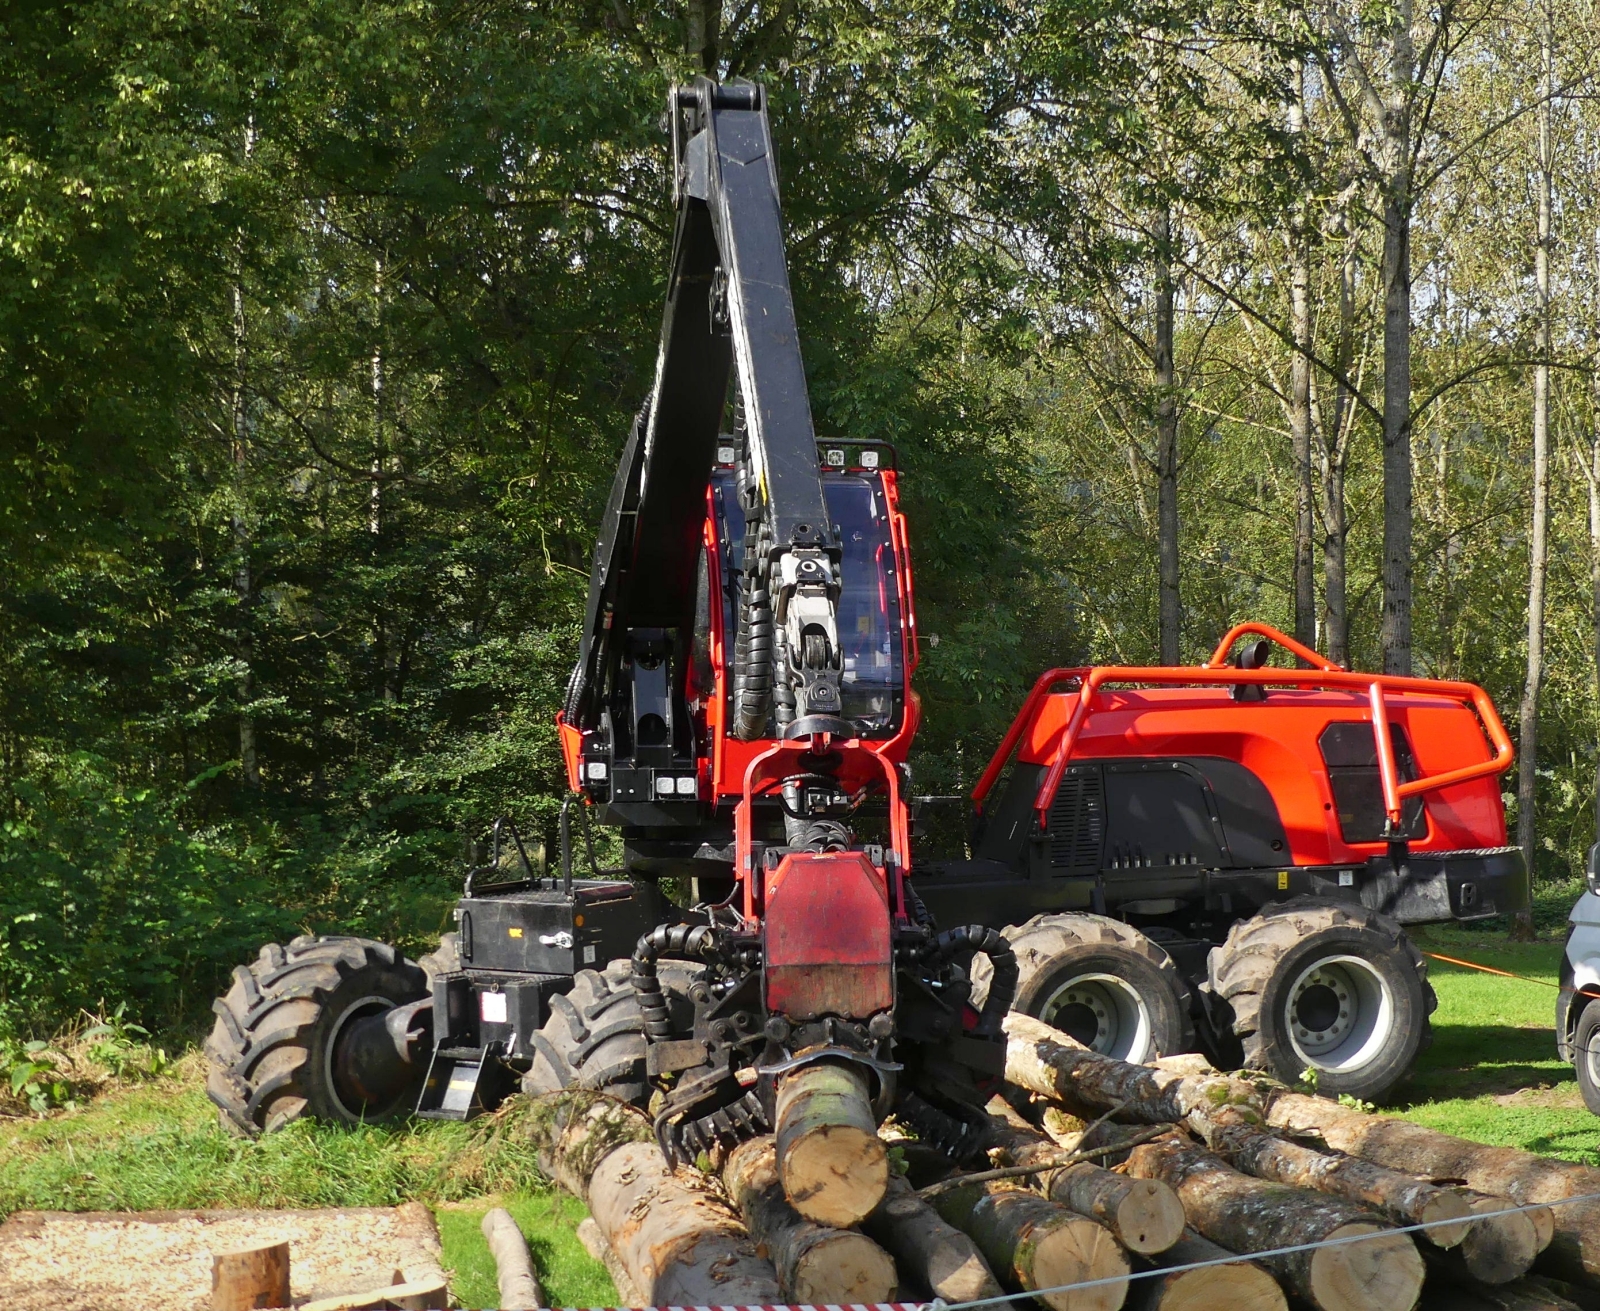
[(322, 323)]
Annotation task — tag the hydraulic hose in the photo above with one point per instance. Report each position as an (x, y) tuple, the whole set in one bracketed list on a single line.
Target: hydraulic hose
[(1002, 961), (683, 941)]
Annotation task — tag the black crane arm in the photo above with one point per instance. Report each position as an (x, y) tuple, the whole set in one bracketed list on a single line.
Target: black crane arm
[(729, 314)]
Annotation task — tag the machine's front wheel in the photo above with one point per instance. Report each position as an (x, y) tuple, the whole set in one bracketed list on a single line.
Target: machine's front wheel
[(1100, 981), (1329, 987), (1586, 1055), (594, 1037), (275, 1051)]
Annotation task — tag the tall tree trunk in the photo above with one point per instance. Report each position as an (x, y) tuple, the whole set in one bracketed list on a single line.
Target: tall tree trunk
[(243, 582), (1594, 569), (1171, 609), (1397, 205), (1335, 452), (1528, 736), (703, 30), (1305, 589)]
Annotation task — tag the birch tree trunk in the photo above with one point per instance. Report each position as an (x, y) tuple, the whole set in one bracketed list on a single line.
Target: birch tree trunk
[(1397, 206), (1594, 566), (1305, 591), (1528, 718), (243, 582), (1171, 609)]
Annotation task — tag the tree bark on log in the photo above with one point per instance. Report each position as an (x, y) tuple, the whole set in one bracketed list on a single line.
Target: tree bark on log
[(594, 1243), (1402, 1197), (1144, 1214), (680, 1243), (817, 1265), (929, 1248), (1249, 1215), (833, 1165), (1240, 1286), (513, 1263), (1039, 1244), (1574, 1251), (1046, 1061), (1228, 1111)]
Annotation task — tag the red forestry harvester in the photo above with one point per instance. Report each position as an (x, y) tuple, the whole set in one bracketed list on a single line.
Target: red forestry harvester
[(1223, 855)]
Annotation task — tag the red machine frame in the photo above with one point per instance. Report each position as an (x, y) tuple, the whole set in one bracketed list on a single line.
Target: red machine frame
[(1323, 675)]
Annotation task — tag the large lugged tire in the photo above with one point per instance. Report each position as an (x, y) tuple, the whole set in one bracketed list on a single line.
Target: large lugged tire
[(1099, 980), (1328, 986), (594, 1037), (443, 959), (272, 1048)]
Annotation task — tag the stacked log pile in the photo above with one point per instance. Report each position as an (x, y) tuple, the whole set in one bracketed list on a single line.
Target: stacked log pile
[(1169, 1187)]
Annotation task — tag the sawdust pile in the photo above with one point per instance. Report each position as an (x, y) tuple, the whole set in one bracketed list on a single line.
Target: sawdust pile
[(161, 1260)]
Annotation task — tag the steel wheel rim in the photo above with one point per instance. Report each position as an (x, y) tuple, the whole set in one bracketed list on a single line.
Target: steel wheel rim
[(1339, 1014), (358, 1010), (1591, 1058), (1120, 1016)]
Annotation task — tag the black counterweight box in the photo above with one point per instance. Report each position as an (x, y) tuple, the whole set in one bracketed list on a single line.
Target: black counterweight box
[(544, 931)]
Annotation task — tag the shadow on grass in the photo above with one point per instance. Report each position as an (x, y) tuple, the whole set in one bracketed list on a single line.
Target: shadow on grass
[(1472, 1060)]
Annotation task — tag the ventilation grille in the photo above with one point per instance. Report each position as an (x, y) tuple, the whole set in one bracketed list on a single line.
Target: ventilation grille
[(1078, 821)]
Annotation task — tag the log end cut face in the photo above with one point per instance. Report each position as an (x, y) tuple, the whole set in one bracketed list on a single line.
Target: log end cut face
[(1382, 1271), (845, 1269), (1224, 1288), (1149, 1217), (837, 1174)]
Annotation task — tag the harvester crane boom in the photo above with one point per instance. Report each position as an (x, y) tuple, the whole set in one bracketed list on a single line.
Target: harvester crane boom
[(729, 314)]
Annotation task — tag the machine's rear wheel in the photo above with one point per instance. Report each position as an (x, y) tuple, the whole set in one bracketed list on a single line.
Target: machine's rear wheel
[(1100, 981), (594, 1037), (274, 1050), (1327, 986)]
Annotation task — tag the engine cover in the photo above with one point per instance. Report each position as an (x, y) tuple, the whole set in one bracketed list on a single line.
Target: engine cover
[(827, 937)]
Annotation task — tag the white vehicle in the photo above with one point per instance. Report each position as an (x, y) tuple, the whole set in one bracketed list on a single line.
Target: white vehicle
[(1578, 1007)]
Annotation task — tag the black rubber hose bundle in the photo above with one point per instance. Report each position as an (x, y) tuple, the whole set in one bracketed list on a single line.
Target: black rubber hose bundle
[(1002, 960), (684, 941)]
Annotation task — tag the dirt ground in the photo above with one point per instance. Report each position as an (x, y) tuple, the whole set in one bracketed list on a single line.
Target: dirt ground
[(161, 1260)]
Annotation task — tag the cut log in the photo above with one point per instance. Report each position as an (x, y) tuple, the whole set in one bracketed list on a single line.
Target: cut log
[(1144, 1214), (1404, 1198), (1046, 1061), (1239, 1286), (679, 1241), (250, 1278), (833, 1165), (1039, 1244), (816, 1264), (1249, 1215), (594, 1243), (1495, 1251), (1574, 1251), (513, 1263), (928, 1248)]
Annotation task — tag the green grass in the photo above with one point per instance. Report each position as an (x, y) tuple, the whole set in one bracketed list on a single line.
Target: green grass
[(571, 1277), (1491, 1075), (157, 1146)]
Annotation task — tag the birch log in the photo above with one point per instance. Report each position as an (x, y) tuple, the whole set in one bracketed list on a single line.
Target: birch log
[(1238, 1286), (928, 1248), (817, 1265), (513, 1263), (1039, 1244), (679, 1241), (1574, 1251), (1249, 1215), (833, 1165), (1144, 1214)]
